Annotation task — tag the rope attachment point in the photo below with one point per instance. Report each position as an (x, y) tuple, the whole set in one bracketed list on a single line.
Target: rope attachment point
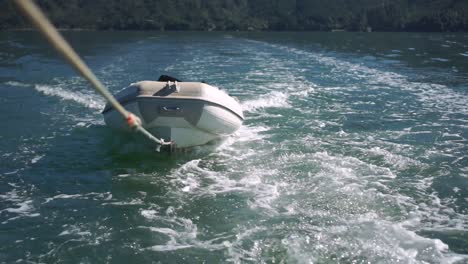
[(133, 121)]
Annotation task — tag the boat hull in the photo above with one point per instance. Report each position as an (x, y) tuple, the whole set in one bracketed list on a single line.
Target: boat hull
[(186, 118)]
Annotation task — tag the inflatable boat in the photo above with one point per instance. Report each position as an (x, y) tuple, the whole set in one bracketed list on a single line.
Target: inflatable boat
[(185, 113)]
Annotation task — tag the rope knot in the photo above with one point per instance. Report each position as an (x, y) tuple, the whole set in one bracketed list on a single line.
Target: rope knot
[(132, 120)]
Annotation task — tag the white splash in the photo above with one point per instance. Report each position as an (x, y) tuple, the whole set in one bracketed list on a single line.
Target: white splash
[(88, 99), (17, 84), (22, 206), (273, 99)]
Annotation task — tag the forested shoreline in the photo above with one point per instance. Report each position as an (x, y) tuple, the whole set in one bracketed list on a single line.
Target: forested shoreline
[(248, 15)]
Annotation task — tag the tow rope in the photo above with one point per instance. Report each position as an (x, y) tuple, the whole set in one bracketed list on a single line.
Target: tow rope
[(40, 21)]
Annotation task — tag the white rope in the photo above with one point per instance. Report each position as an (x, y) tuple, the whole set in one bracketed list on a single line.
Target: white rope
[(41, 22)]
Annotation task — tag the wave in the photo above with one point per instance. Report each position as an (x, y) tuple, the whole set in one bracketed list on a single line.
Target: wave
[(17, 84), (20, 206), (440, 59), (442, 97), (273, 99), (357, 202), (87, 99), (177, 233)]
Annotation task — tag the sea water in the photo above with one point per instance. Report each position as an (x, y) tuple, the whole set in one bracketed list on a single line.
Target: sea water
[(354, 150)]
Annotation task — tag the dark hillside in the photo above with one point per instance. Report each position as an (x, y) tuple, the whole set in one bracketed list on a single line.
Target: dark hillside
[(356, 15)]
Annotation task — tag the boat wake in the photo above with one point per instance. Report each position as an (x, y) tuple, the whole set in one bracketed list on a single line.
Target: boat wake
[(340, 159), (90, 100)]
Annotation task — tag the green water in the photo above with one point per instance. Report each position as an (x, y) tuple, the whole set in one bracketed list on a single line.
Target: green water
[(354, 150)]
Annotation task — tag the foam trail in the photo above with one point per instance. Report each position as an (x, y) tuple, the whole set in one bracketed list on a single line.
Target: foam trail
[(429, 94), (17, 84), (92, 101), (274, 99)]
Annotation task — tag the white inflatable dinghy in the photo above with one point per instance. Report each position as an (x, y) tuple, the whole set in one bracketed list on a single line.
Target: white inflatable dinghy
[(185, 113)]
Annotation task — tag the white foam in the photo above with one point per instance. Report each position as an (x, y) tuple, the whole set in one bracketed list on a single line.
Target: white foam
[(37, 158), (429, 94), (11, 196), (393, 55), (135, 201), (149, 214), (63, 196), (94, 196), (23, 207), (17, 84), (440, 97), (273, 99), (87, 99), (74, 230), (11, 172), (180, 232), (355, 182), (245, 134), (348, 207), (440, 59), (394, 160), (192, 178), (171, 246)]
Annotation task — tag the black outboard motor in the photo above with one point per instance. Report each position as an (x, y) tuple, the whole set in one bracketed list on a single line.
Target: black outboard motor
[(167, 78)]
